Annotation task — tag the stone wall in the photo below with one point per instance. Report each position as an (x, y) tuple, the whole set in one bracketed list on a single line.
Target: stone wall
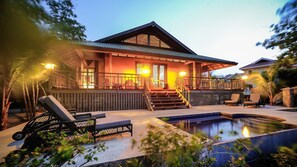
[(210, 97), (290, 96)]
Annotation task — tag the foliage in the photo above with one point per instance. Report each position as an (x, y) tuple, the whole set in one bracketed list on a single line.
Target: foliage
[(29, 28), (285, 35), (58, 150), (286, 156), (287, 77), (63, 21), (165, 146), (266, 84), (240, 150)]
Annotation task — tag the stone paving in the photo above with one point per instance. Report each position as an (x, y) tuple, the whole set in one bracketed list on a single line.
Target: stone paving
[(119, 146)]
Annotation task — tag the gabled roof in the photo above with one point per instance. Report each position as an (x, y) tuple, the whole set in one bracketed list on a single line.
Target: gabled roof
[(151, 51), (152, 28), (260, 63)]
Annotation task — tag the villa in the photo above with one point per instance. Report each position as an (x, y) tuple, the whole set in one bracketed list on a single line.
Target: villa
[(136, 69)]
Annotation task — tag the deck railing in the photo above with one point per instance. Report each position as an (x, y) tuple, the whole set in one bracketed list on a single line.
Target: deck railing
[(184, 93), (205, 83), (93, 80)]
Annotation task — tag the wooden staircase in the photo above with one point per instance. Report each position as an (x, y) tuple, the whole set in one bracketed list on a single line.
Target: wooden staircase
[(166, 99)]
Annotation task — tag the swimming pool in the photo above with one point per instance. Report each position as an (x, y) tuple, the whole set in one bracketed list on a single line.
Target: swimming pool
[(228, 127)]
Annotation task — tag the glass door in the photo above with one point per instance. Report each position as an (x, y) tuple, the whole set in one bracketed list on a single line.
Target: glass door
[(159, 76)]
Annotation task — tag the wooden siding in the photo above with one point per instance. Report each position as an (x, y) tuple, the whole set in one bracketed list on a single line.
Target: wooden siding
[(100, 100)]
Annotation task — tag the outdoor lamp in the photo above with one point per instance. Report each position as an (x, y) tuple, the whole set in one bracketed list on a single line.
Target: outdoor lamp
[(244, 77), (182, 73), (49, 66), (145, 71)]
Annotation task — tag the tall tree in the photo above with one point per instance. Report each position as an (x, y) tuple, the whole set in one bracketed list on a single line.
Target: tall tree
[(28, 29), (285, 35)]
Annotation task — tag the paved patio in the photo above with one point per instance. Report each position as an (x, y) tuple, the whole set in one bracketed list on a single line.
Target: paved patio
[(119, 146)]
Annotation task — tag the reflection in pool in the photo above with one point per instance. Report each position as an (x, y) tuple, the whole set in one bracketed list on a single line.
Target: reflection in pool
[(229, 128)]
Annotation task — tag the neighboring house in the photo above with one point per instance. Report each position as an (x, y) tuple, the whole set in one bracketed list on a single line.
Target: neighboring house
[(262, 64), (115, 72), (234, 76)]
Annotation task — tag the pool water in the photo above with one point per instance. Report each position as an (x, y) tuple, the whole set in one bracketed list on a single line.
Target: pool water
[(229, 128)]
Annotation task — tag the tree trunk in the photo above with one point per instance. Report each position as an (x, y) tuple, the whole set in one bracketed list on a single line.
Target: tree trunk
[(5, 106), (25, 100)]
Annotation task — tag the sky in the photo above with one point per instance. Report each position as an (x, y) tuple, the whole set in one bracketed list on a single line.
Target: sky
[(225, 29)]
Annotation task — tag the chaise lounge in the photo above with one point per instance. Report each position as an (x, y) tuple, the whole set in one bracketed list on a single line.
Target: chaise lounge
[(255, 100), (48, 118), (235, 99), (77, 123)]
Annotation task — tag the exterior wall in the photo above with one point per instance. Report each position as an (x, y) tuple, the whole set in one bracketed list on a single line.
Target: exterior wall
[(258, 70), (199, 98), (128, 65)]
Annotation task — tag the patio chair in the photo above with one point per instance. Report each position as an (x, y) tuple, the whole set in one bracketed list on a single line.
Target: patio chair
[(255, 100), (77, 123), (235, 99), (48, 118)]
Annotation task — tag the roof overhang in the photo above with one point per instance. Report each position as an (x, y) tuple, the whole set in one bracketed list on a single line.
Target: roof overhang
[(126, 50)]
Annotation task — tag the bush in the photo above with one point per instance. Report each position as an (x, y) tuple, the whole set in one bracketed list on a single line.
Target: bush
[(165, 146), (58, 149)]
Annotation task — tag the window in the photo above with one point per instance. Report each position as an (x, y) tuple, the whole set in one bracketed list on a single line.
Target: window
[(88, 78)]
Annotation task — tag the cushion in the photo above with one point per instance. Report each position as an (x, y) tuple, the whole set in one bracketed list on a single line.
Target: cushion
[(108, 125), (56, 107)]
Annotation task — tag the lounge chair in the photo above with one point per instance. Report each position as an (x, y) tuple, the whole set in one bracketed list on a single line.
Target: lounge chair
[(255, 100), (77, 123), (48, 118), (235, 99)]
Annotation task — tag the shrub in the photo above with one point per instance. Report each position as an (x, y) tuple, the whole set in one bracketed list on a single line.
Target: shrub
[(58, 149)]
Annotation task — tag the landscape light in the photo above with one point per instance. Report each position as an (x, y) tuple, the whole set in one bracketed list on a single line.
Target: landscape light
[(245, 132)]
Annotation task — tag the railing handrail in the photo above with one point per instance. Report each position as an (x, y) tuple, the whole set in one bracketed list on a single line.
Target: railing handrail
[(205, 83), (147, 95), (95, 80), (182, 93)]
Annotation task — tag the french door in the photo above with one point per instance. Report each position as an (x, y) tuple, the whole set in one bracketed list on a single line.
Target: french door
[(159, 75)]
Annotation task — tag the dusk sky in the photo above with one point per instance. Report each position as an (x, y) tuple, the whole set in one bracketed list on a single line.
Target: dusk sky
[(226, 29)]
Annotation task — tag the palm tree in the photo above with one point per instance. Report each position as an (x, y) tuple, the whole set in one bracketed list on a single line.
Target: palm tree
[(265, 84)]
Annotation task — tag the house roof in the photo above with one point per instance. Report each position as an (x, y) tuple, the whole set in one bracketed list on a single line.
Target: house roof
[(151, 28), (151, 51), (260, 63)]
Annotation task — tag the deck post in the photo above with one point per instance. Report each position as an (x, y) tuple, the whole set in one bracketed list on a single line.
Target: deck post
[(194, 75), (110, 69)]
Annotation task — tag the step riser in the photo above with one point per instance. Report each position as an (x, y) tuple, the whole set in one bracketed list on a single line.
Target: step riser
[(162, 100)]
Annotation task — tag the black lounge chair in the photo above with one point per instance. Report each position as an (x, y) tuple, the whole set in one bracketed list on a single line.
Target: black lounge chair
[(235, 99), (77, 123), (255, 100), (48, 118)]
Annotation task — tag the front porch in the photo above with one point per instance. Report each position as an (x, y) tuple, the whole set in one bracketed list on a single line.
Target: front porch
[(60, 80), (120, 91)]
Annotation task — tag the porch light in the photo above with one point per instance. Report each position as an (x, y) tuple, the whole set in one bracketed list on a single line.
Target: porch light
[(182, 73), (244, 77), (245, 132), (49, 66), (145, 71)]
